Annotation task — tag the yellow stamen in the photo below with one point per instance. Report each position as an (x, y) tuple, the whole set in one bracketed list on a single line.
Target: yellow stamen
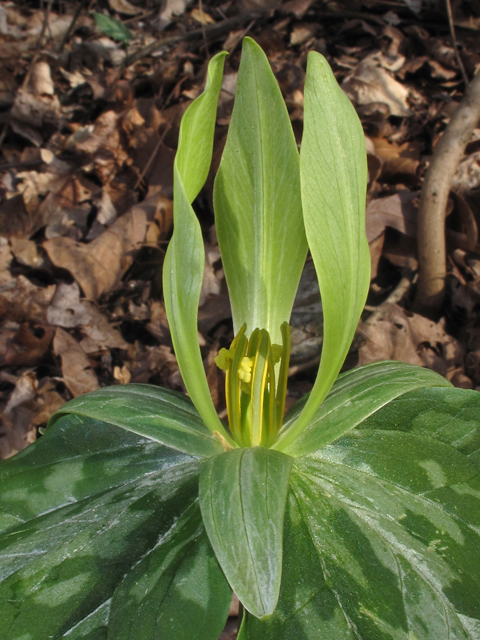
[(255, 398)]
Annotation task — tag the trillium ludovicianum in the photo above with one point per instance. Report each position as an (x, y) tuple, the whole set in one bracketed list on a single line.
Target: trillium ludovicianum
[(271, 205), (355, 515)]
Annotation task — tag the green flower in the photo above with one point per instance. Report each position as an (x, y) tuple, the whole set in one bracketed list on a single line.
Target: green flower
[(271, 204)]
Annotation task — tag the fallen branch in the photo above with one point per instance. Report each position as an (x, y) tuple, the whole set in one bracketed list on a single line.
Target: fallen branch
[(433, 201)]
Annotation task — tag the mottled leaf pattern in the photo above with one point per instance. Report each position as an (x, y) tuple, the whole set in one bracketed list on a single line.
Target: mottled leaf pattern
[(79, 510), (177, 591), (382, 535)]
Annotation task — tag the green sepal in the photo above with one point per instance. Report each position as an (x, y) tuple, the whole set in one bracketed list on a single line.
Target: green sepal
[(242, 499)]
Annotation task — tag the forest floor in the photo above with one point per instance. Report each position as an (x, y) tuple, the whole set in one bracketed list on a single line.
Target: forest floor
[(91, 97)]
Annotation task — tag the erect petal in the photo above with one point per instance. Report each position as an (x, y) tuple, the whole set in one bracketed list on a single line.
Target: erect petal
[(185, 259), (333, 172)]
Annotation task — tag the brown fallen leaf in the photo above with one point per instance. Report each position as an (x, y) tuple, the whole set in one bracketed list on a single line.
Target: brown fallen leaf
[(156, 204), (122, 375), (25, 302), (467, 176), (14, 218), (5, 261), (40, 81), (261, 4), (25, 252), (202, 17), (68, 311), (215, 309), (376, 248), (29, 345), (171, 8), (439, 71), (42, 193), (212, 278), (77, 372), (152, 364), (99, 265), (401, 250), (158, 325), (31, 114), (17, 430), (397, 334), (123, 6), (398, 212), (371, 83), (301, 33), (48, 400), (100, 335), (102, 144), (297, 7)]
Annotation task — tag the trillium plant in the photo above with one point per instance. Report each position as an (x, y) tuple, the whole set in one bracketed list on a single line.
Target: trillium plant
[(354, 515)]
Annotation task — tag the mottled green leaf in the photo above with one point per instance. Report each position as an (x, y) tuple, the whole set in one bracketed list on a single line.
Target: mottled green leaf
[(242, 498), (355, 395), (258, 210), (112, 28), (79, 510), (76, 459), (184, 262), (177, 591), (382, 535), (333, 172), (161, 415)]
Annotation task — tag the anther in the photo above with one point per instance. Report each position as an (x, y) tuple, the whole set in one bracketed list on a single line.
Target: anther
[(245, 369)]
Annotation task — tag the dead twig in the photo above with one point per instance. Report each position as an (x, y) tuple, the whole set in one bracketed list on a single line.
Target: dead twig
[(45, 24), (205, 42), (65, 38), (152, 156), (393, 298), (433, 201), (454, 42), (242, 35), (304, 366)]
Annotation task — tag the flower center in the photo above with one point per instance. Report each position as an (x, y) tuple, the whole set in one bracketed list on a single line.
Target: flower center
[(255, 392)]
